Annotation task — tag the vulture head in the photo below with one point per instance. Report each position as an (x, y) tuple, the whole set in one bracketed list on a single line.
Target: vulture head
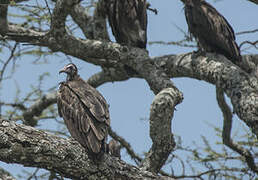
[(71, 71)]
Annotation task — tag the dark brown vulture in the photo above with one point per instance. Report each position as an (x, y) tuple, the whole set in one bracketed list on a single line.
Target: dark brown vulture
[(128, 21), (211, 30), (84, 110)]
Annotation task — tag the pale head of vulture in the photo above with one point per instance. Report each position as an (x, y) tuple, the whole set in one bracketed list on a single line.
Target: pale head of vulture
[(71, 71)]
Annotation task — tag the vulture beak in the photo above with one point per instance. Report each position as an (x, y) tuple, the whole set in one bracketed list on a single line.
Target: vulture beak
[(63, 70)]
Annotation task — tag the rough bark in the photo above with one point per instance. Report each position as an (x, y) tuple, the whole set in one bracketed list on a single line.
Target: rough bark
[(161, 113), (239, 86), (34, 148)]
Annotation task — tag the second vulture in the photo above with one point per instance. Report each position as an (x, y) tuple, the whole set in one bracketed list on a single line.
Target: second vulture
[(128, 21), (211, 30)]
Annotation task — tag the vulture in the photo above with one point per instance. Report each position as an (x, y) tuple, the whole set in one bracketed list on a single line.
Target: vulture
[(84, 110), (211, 30), (128, 21)]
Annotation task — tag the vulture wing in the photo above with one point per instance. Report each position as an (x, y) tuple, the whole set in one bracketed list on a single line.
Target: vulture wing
[(128, 21), (85, 113), (212, 31)]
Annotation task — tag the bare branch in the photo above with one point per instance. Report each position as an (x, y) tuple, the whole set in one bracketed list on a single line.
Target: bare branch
[(109, 75), (247, 32), (83, 20), (254, 44), (34, 148), (226, 134), (161, 113), (7, 62), (37, 108)]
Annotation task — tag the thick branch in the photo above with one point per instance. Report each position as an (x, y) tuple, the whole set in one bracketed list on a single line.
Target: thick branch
[(34, 148), (108, 75), (226, 133), (83, 20), (161, 113), (240, 87)]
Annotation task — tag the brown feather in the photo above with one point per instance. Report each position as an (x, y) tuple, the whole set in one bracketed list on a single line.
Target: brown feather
[(211, 30), (85, 113), (128, 21)]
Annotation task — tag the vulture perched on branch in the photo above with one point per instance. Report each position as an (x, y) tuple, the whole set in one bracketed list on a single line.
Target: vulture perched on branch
[(84, 110), (211, 30), (128, 21)]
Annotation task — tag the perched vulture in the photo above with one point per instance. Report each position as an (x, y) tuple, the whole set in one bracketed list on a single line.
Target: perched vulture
[(128, 21), (84, 110), (211, 30)]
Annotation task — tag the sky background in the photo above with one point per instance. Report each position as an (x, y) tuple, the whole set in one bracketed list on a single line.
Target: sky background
[(130, 100)]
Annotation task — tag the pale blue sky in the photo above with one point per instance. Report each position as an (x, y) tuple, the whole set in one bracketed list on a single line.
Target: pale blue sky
[(130, 100)]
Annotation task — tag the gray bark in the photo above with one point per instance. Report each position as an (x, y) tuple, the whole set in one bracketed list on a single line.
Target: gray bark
[(34, 148)]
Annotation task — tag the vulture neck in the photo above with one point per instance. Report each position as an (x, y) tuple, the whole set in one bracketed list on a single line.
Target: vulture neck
[(72, 77)]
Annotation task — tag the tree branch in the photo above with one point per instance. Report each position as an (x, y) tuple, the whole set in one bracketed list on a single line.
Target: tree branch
[(93, 27), (108, 75), (34, 148), (37, 108), (226, 134), (161, 113), (240, 87)]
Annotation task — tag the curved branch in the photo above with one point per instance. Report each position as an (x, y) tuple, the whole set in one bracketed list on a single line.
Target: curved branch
[(108, 75), (34, 148), (226, 133), (240, 87), (161, 113)]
